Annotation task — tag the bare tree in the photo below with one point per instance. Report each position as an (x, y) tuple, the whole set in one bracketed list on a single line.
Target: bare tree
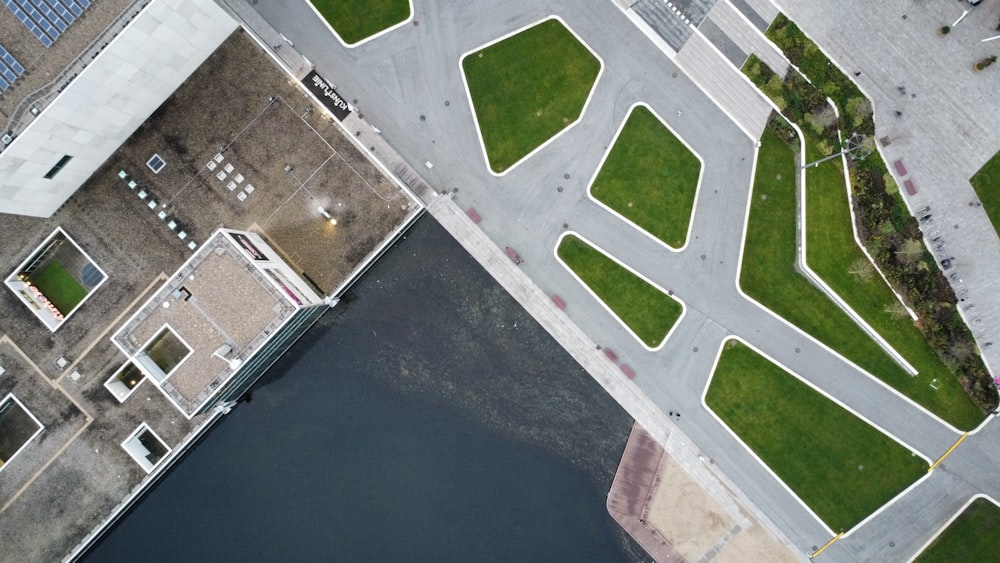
[(897, 311), (911, 250), (862, 270)]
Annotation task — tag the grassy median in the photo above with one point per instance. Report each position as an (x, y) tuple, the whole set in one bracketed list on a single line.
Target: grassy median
[(354, 21), (971, 537), (839, 465), (647, 311), (650, 177), (527, 88), (770, 278), (949, 359)]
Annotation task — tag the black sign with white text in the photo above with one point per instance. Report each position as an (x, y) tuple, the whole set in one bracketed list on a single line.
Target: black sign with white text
[(326, 93)]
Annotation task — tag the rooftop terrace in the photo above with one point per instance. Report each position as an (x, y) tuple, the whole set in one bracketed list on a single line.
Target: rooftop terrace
[(76, 472), (205, 307)]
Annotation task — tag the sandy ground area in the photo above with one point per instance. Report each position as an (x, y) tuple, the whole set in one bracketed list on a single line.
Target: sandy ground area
[(699, 529)]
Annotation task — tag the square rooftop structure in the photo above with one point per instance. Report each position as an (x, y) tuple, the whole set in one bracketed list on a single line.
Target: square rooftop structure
[(56, 279), (219, 322), (18, 427)]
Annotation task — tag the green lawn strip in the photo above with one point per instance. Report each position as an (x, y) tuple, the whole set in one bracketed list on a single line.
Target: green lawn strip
[(354, 21), (987, 185), (527, 88), (839, 465), (970, 537), (650, 177), (768, 273), (59, 287), (832, 253), (647, 311)]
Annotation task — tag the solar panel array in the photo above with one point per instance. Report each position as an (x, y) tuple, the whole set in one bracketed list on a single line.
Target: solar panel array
[(10, 69), (46, 19)]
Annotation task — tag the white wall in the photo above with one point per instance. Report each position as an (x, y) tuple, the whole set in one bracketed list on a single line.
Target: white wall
[(276, 262), (108, 101)]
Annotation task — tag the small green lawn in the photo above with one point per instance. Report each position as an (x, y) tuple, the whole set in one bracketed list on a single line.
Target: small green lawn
[(647, 311), (650, 177), (987, 185), (59, 287), (768, 276), (973, 536), (840, 466), (354, 21), (527, 88), (833, 254)]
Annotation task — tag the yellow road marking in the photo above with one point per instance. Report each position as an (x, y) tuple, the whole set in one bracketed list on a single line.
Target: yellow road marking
[(828, 544), (947, 453)]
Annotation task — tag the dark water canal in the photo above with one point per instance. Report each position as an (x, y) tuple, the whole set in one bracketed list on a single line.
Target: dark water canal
[(427, 417)]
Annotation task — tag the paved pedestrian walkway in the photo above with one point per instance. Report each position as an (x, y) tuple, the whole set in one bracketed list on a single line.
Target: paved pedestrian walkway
[(280, 46), (408, 84), (767, 9), (750, 39), (668, 23), (725, 85)]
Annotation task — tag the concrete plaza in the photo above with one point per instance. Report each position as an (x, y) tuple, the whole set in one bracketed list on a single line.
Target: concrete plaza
[(408, 84)]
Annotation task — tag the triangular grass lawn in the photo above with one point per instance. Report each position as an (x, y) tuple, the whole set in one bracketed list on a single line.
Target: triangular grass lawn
[(527, 88), (646, 310), (650, 177), (839, 465)]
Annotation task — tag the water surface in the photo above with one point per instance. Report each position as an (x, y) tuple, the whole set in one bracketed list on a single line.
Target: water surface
[(425, 418)]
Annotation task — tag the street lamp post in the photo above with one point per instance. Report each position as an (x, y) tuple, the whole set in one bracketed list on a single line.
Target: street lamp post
[(855, 147)]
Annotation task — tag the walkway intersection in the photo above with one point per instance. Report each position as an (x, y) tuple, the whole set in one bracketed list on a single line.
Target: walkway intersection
[(408, 85)]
